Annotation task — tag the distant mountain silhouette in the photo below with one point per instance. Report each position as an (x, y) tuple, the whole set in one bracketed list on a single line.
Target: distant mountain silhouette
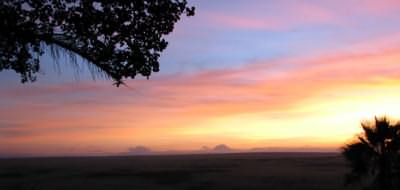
[(139, 150), (222, 148)]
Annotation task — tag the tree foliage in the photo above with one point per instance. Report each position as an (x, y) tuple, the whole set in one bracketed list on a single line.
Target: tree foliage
[(375, 155), (123, 38)]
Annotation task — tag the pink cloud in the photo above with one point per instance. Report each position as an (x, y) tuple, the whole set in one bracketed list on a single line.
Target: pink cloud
[(307, 13), (286, 16), (377, 7), (226, 20)]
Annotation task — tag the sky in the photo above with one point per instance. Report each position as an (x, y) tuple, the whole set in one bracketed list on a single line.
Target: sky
[(288, 74)]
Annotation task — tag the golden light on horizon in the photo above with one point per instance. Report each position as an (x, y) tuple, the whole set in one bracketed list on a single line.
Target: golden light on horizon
[(329, 120)]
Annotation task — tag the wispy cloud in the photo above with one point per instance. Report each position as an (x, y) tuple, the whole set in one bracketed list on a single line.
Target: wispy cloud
[(267, 16)]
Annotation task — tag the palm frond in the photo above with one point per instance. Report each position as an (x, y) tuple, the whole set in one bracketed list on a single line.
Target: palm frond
[(375, 155)]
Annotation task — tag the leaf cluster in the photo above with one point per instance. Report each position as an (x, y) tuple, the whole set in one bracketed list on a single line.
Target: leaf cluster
[(122, 38)]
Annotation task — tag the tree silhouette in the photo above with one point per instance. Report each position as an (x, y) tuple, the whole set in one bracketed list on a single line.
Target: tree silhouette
[(122, 38), (375, 155)]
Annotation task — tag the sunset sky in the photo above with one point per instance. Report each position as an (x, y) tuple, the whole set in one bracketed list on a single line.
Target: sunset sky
[(289, 74)]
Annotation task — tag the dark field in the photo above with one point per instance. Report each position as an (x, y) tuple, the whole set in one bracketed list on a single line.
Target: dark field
[(267, 171)]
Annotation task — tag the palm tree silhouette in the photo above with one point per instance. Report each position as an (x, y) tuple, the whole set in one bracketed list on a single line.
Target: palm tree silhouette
[(375, 155)]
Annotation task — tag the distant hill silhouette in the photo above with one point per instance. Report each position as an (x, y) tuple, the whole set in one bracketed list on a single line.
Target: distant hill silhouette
[(139, 150), (218, 149), (222, 148)]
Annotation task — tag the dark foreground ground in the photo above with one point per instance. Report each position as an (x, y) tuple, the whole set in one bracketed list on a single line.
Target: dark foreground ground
[(266, 171)]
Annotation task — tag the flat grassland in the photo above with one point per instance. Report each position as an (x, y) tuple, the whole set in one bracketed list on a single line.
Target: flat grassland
[(267, 171)]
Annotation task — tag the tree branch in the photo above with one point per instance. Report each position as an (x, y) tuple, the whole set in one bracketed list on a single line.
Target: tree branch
[(63, 42)]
